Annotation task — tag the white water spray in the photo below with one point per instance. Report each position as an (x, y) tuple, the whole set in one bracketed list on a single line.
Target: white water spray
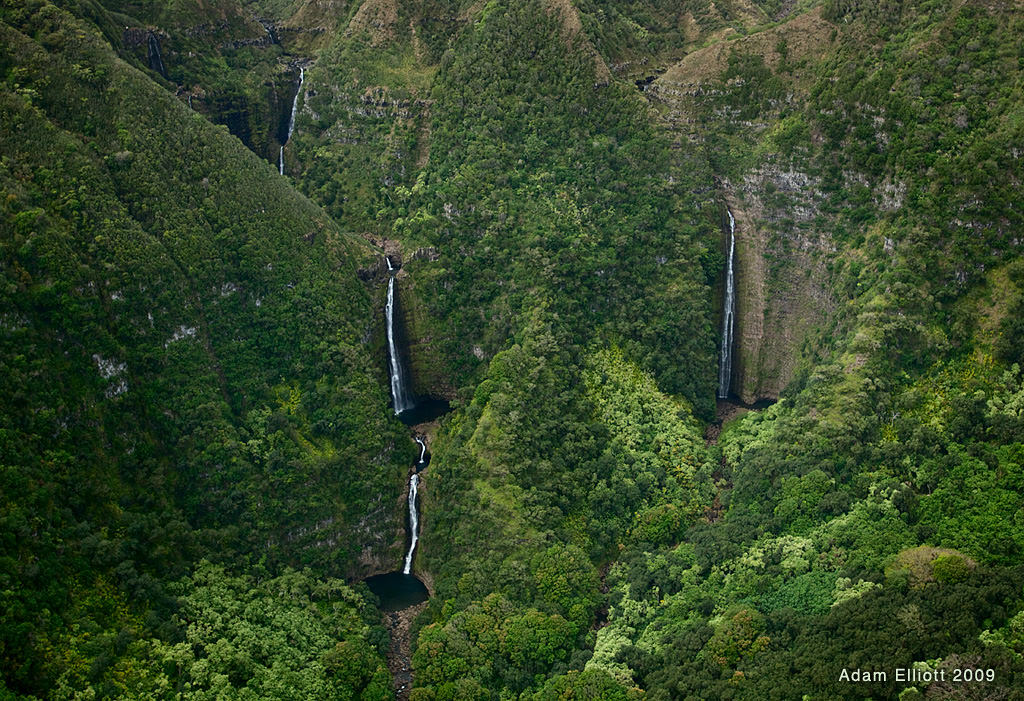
[(414, 521), (291, 120), (399, 394), (728, 316)]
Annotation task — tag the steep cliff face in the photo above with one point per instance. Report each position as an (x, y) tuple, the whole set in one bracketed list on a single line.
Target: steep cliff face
[(227, 60), (415, 331), (190, 309), (364, 128), (429, 373), (731, 98), (782, 278)]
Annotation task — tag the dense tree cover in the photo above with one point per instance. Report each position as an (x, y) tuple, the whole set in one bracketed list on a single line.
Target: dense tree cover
[(902, 430), (222, 58), (184, 365), (630, 467), (544, 191), (287, 637), (362, 130), (188, 376), (639, 37)]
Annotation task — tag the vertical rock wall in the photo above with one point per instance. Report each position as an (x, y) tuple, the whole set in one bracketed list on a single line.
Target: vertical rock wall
[(782, 290)]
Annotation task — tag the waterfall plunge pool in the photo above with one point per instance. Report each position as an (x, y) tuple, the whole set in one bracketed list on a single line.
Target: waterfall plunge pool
[(424, 409), (397, 591)]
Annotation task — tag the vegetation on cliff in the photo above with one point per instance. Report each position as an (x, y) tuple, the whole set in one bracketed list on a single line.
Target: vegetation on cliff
[(195, 439), (183, 368)]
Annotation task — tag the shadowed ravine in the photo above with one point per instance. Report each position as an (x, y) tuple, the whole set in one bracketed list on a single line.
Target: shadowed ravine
[(291, 121), (402, 595)]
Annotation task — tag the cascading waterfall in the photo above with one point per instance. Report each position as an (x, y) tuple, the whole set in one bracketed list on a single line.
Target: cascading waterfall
[(291, 123), (414, 520), (423, 450), (156, 62), (268, 28), (728, 316), (399, 393)]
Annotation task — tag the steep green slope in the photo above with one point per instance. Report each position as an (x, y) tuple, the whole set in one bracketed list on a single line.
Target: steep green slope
[(898, 164), (184, 367), (225, 59), (543, 191), (364, 123), (873, 515), (559, 235), (864, 512), (190, 370), (543, 476)]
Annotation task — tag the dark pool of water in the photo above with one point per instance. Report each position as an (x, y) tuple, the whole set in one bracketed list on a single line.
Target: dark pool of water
[(397, 591), (426, 409)]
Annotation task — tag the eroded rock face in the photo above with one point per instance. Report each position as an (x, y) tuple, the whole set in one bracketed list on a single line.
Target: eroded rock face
[(784, 237), (383, 536), (782, 290)]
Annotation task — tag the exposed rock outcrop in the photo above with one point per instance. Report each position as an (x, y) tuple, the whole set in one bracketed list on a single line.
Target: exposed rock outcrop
[(378, 18), (781, 271), (383, 536), (804, 36), (399, 625), (783, 239)]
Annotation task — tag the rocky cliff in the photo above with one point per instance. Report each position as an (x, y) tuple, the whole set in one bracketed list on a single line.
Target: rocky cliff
[(736, 93), (782, 277)]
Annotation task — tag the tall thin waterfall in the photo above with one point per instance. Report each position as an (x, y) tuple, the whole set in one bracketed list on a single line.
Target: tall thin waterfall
[(291, 121), (728, 315), (423, 450), (399, 393), (414, 520), (156, 62)]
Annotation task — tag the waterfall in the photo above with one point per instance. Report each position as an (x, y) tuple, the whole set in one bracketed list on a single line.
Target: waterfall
[(423, 449), (728, 315), (267, 24), (414, 520), (156, 63), (399, 393), (291, 122), (295, 103)]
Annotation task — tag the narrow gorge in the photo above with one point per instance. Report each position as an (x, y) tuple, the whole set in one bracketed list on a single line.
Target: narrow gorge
[(443, 350), (402, 594), (400, 396)]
